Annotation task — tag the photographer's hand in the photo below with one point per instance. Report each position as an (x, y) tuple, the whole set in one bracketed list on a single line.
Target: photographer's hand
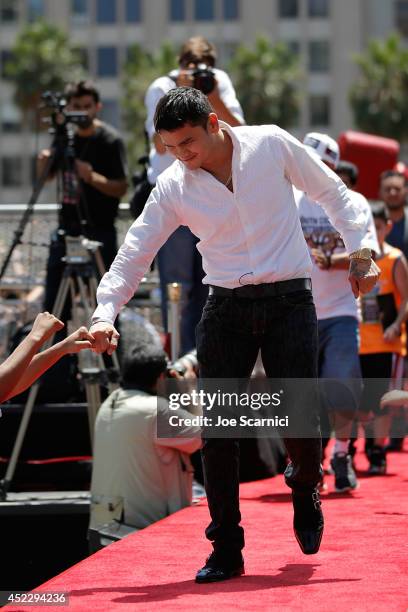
[(84, 170)]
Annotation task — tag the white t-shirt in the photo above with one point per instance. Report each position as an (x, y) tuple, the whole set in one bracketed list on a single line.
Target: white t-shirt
[(331, 288), (162, 85)]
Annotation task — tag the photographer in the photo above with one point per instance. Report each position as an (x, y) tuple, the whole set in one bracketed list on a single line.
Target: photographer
[(138, 477), (178, 259), (101, 174)]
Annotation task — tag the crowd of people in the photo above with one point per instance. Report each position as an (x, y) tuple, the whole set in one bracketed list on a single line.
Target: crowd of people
[(278, 255)]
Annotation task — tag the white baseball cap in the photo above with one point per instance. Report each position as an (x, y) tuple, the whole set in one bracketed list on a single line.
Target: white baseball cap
[(324, 146)]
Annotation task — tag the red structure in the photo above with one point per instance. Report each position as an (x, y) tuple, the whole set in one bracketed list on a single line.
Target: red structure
[(372, 155)]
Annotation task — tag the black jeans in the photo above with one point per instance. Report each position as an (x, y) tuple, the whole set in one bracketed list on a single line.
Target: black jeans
[(230, 334)]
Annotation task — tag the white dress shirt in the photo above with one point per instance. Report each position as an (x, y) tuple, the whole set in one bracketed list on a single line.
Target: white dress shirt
[(158, 163), (250, 236)]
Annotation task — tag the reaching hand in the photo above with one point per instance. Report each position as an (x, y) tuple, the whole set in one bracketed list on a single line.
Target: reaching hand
[(78, 340), (44, 326), (363, 275), (105, 337)]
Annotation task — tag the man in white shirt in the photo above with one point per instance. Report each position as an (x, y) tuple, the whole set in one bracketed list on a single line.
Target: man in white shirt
[(337, 314), (234, 188), (178, 260)]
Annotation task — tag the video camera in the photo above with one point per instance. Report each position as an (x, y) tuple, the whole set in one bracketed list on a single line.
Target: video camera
[(60, 117), (203, 77)]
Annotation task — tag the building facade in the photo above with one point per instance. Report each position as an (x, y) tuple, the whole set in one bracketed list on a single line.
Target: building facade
[(324, 33)]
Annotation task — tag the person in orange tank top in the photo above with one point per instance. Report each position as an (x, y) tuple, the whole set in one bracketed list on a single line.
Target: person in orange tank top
[(383, 335)]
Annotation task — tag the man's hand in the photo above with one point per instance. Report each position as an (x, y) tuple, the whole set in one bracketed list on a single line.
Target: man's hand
[(105, 337), (394, 398), (44, 326), (363, 275), (321, 259), (84, 170), (78, 340), (392, 332)]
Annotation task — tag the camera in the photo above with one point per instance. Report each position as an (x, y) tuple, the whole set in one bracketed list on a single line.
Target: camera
[(60, 118), (203, 77)]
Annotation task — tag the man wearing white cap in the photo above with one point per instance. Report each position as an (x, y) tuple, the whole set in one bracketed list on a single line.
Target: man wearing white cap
[(337, 313)]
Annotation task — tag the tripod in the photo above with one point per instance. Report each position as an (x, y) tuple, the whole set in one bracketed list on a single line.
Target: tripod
[(81, 261)]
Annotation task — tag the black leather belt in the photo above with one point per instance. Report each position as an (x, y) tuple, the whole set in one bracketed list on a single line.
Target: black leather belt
[(254, 292)]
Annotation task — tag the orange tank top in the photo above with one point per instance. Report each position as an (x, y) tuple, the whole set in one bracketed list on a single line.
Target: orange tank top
[(379, 309)]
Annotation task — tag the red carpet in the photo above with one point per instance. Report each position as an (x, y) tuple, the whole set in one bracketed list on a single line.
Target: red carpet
[(362, 564)]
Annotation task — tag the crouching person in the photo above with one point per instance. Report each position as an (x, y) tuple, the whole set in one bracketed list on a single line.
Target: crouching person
[(138, 477)]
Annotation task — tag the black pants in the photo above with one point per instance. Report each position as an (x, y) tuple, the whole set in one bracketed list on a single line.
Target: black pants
[(229, 336)]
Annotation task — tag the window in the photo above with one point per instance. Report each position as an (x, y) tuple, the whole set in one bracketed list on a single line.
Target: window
[(35, 9), (319, 108), (204, 10), (318, 8), (293, 46), (84, 58), (6, 56), (10, 118), (230, 10), (79, 12), (106, 11), (288, 8), (12, 171), (107, 61), (133, 11), (110, 112), (177, 10), (319, 56), (8, 11), (401, 16)]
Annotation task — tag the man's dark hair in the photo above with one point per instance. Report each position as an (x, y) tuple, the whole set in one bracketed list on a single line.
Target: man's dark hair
[(391, 173), (380, 211), (142, 366), (197, 50), (82, 88), (182, 105), (349, 169)]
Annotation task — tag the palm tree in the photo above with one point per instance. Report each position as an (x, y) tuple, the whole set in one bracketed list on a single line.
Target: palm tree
[(379, 96), (265, 78)]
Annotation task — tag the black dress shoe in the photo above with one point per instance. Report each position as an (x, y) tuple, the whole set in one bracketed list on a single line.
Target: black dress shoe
[(216, 569), (308, 522)]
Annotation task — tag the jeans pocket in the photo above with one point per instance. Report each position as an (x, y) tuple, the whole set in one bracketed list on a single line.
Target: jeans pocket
[(303, 298)]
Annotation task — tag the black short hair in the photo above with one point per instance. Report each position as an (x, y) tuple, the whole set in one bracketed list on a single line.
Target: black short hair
[(380, 211), (349, 169), (182, 105), (391, 173), (142, 365), (82, 88)]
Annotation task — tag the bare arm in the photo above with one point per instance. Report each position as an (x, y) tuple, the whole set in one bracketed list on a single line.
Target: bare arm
[(15, 366), (222, 110), (111, 187), (40, 363), (401, 282)]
